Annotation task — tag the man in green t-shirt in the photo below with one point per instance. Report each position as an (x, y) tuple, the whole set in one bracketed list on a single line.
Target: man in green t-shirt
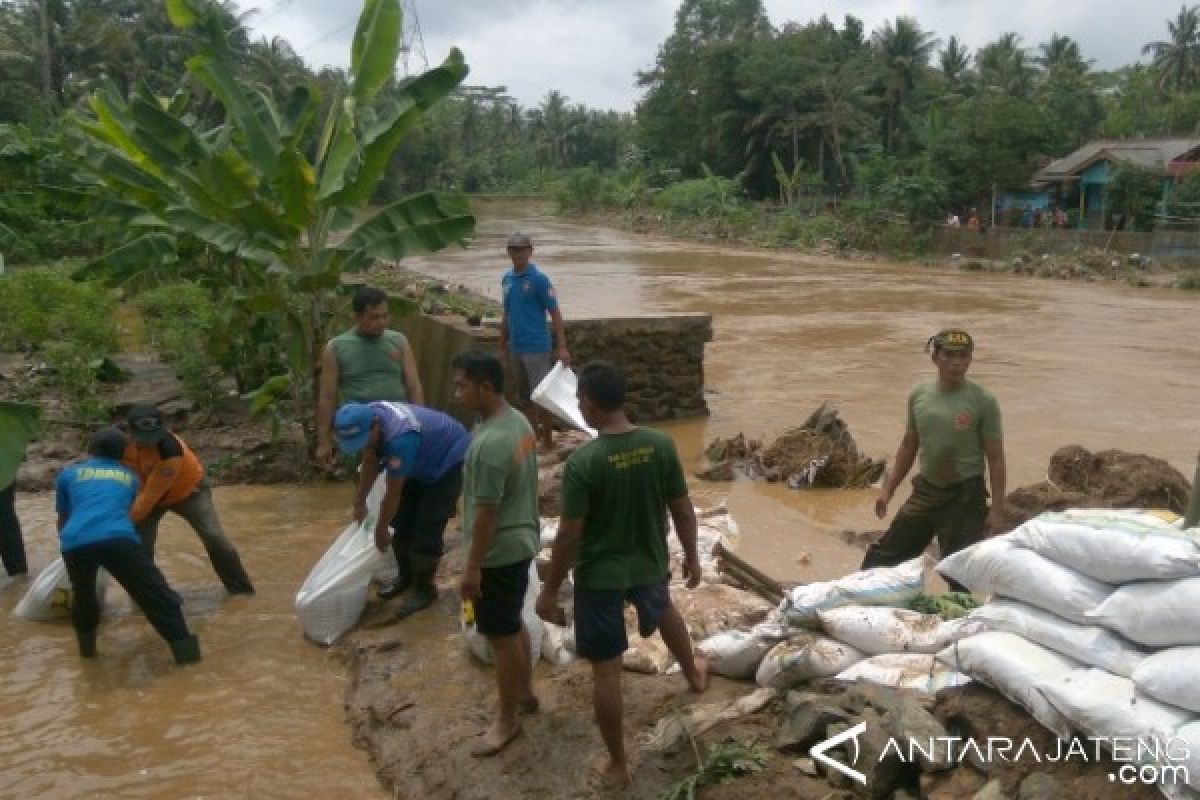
[(501, 531), (617, 491), (955, 426)]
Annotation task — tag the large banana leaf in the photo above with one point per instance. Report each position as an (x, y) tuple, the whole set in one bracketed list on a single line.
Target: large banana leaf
[(375, 49), (421, 223), (143, 253), (19, 424)]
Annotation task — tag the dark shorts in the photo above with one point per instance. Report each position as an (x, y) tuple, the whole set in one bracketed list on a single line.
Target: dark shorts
[(600, 618), (529, 369), (424, 511), (501, 596)]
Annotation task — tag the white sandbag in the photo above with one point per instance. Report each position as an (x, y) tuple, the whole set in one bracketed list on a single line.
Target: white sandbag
[(1184, 750), (1153, 613), (1170, 677), (920, 671), (481, 648), (734, 654), (334, 594), (1101, 704), (996, 566), (554, 644), (1103, 516), (51, 597), (876, 630), (804, 658), (1116, 551), (548, 532), (1014, 667), (881, 586), (556, 394), (1087, 644)]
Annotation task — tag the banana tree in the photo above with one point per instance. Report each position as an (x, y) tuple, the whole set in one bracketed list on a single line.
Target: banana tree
[(280, 223)]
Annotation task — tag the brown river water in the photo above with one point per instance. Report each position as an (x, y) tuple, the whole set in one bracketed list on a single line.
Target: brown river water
[(1100, 366)]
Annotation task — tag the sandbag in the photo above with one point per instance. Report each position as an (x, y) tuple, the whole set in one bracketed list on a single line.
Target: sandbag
[(1099, 703), (51, 597), (734, 654), (920, 671), (1170, 677), (803, 658), (481, 648), (1153, 613), (1014, 667), (876, 630), (334, 594), (1113, 550), (555, 641), (881, 586), (996, 566), (1087, 644), (1185, 750)]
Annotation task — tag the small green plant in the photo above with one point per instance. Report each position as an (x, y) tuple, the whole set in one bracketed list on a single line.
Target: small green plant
[(181, 323), (1188, 280), (726, 761)]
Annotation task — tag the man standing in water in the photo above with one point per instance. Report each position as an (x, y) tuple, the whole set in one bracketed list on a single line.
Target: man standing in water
[(617, 491), (955, 426), (94, 529), (528, 298), (370, 363), (500, 530)]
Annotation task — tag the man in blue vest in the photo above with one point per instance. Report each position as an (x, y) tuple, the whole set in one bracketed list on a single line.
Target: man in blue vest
[(528, 299), (421, 451), (95, 530)]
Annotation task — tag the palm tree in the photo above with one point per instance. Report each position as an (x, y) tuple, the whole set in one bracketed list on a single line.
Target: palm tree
[(954, 60), (1062, 52), (1005, 65), (273, 64), (841, 111), (1176, 60), (903, 51)]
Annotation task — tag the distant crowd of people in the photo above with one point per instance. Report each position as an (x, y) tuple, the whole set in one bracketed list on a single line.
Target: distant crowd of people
[(1028, 217)]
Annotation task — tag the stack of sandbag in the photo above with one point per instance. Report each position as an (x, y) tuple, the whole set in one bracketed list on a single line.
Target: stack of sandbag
[(545, 640), (1094, 626)]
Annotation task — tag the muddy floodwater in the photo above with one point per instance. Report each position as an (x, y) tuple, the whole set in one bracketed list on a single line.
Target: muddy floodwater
[(1097, 365)]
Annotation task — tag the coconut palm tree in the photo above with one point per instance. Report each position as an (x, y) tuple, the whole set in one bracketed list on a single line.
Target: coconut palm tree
[(1062, 52), (1005, 65), (1177, 59), (954, 60), (903, 51)]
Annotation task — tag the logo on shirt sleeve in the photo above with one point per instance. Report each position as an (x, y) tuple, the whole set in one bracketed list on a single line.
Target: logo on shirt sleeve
[(395, 462)]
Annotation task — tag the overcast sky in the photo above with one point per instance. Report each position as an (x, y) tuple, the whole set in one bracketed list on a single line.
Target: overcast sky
[(591, 49)]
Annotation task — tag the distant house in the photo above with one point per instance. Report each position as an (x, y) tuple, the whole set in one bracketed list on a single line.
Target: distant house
[(1078, 180)]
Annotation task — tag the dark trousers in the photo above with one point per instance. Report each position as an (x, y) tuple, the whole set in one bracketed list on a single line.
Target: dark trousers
[(12, 545), (425, 509), (955, 514), (132, 567), (201, 514)]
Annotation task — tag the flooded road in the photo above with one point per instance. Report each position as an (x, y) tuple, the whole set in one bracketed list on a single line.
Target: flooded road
[(1100, 366), (260, 716)]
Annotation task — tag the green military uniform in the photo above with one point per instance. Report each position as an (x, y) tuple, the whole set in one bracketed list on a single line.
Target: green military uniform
[(949, 498), (371, 368)]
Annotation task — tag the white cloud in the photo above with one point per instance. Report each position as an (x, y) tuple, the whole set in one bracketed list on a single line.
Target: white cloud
[(591, 50)]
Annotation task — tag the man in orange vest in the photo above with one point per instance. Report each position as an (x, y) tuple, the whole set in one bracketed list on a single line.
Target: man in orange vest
[(171, 478)]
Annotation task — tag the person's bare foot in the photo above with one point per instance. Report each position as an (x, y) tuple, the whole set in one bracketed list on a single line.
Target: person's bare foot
[(611, 775), (699, 682), (495, 739)]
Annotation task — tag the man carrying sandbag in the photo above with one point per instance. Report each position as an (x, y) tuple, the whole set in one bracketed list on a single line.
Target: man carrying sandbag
[(94, 498), (617, 492), (501, 531), (955, 426), (172, 479), (421, 450)]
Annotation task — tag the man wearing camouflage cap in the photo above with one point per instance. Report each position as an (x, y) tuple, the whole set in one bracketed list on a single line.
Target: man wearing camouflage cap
[(955, 426)]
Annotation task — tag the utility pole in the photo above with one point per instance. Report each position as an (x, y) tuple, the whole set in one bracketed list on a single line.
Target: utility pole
[(411, 40)]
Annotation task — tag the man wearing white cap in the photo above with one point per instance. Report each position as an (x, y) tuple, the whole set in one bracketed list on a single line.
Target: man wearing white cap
[(528, 298)]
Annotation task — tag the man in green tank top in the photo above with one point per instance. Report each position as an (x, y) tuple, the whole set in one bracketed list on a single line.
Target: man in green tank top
[(368, 363), (617, 492), (955, 426)]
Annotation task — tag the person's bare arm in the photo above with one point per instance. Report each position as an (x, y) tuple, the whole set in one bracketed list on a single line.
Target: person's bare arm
[(368, 471), (683, 514), (566, 550), (387, 510), (416, 392), (997, 468), (906, 454), (482, 535), (326, 398), (560, 336)]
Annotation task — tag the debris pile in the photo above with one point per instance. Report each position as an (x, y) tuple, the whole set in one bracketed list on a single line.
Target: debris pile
[(821, 453)]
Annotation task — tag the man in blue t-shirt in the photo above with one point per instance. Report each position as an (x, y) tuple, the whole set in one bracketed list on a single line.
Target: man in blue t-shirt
[(421, 450), (94, 497), (528, 298)]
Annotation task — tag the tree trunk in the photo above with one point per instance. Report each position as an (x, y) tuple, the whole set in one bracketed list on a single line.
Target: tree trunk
[(47, 80)]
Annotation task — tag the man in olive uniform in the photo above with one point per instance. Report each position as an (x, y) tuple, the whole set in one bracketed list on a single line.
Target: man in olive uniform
[(954, 424)]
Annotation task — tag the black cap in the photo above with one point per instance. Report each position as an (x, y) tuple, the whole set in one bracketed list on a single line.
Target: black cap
[(146, 424), (108, 443)]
